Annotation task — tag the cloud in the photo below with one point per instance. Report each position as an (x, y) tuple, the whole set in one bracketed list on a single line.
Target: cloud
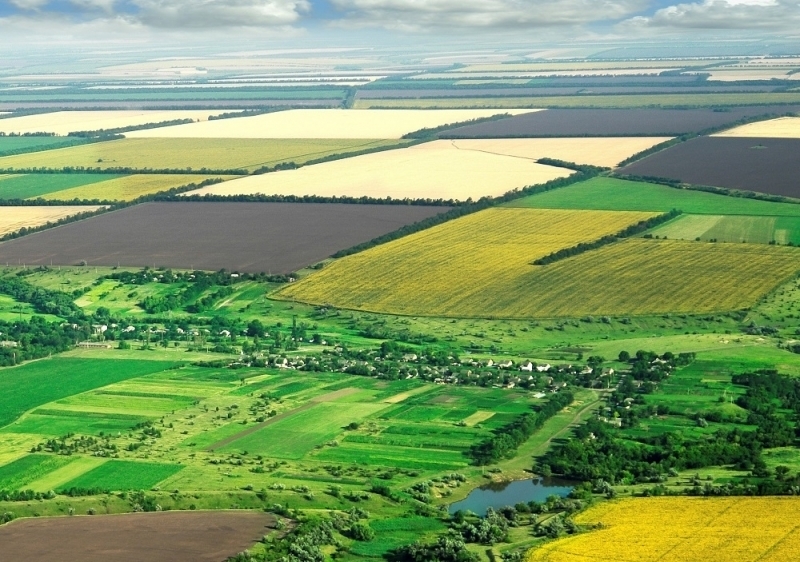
[(516, 14), (771, 15), (219, 13), (28, 4)]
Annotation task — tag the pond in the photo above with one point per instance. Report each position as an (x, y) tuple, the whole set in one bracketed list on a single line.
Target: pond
[(501, 494)]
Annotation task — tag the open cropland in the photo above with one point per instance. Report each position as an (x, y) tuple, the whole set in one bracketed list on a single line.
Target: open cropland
[(612, 122), (435, 170), (64, 122), (446, 278), (13, 219), (102, 187), (631, 101), (612, 194), (682, 529), (155, 537), (248, 237), (781, 128), (762, 165), (321, 124), (741, 228), (191, 154), (20, 145)]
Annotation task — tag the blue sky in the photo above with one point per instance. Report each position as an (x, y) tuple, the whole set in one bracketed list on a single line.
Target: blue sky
[(624, 17)]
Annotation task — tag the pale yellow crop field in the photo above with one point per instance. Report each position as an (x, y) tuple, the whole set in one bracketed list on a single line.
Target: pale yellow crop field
[(65, 122), (191, 154), (606, 152), (436, 170), (544, 73), (15, 218), (129, 188), (741, 529), (736, 74), (323, 124), (480, 266), (781, 128)]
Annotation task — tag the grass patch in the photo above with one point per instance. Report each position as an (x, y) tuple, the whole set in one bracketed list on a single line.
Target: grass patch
[(23, 471)]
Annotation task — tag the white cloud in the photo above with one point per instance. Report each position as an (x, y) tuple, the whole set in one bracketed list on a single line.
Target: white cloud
[(28, 4), (725, 14), (220, 13), (420, 14)]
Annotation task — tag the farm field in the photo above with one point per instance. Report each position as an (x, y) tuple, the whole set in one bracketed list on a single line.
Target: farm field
[(33, 186), (764, 165), (14, 218), (320, 124), (434, 170), (612, 122), (588, 100), (614, 194), (119, 475), (592, 151), (677, 529), (756, 230), (156, 537), (782, 128), (19, 145), (127, 188), (693, 277), (191, 154), (251, 237), (64, 122)]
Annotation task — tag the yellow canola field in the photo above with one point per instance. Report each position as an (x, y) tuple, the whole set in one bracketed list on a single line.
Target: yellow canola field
[(129, 188), (14, 218), (436, 170), (194, 154), (683, 530), (781, 128), (324, 124), (65, 122), (480, 266), (606, 152)]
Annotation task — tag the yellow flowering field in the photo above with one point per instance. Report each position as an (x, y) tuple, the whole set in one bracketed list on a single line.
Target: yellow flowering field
[(480, 266), (683, 530)]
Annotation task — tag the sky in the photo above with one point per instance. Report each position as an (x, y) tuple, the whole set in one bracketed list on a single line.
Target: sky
[(398, 18)]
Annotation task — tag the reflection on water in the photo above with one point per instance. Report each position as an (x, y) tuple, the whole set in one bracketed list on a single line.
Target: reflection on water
[(501, 494)]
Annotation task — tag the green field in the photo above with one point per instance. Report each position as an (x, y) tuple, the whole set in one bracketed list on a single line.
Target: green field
[(18, 474), (192, 154), (55, 423), (755, 230), (32, 186), (124, 475), (20, 145), (31, 385), (619, 195)]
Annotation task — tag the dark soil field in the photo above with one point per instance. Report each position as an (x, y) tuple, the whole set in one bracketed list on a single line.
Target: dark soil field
[(612, 122), (764, 165), (139, 537), (246, 237)]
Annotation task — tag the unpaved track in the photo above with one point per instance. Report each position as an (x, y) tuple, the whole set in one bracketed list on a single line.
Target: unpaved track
[(173, 536)]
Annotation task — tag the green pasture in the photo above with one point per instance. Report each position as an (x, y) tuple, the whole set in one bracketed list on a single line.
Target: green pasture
[(32, 384), (11, 311), (297, 435), (396, 532), (57, 423), (118, 475), (389, 456), (611, 194), (20, 145), (31, 186), (756, 230)]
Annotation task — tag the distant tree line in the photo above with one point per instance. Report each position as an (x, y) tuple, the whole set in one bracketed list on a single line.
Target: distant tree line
[(106, 133), (430, 133), (632, 230)]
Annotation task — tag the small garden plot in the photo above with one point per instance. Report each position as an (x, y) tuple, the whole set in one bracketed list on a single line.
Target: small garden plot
[(118, 476), (18, 474)]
